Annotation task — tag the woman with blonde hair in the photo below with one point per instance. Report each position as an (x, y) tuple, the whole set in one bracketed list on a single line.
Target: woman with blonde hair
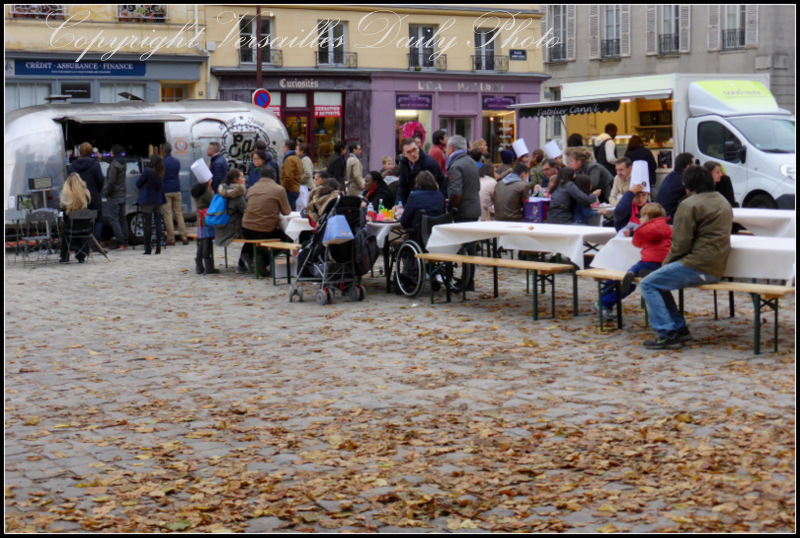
[(75, 196)]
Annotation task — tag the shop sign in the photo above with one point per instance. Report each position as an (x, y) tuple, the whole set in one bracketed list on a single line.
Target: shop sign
[(77, 90), (413, 101), (327, 111), (275, 109), (498, 102), (86, 69), (299, 84), (546, 111), (518, 54)]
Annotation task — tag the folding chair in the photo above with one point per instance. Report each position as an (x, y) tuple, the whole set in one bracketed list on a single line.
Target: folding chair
[(40, 227), (78, 232)]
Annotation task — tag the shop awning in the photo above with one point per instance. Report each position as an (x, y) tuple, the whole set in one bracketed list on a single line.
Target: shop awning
[(585, 105), (109, 118)]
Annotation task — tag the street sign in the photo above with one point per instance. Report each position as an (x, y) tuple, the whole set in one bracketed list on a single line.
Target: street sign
[(261, 98)]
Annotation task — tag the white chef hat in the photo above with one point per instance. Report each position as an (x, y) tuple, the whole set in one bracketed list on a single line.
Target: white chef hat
[(552, 150), (520, 148), (641, 175)]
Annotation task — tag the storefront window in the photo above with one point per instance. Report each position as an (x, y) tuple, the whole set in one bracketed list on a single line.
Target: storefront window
[(457, 126), (19, 95), (327, 125), (411, 123), (499, 131), (110, 93)]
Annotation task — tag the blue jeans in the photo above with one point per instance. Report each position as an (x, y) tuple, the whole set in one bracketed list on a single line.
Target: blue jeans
[(664, 314), (116, 217), (609, 299), (293, 196)]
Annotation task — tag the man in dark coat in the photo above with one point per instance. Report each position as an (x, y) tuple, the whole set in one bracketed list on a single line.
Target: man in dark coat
[(218, 166), (336, 164), (415, 160), (91, 173), (672, 191)]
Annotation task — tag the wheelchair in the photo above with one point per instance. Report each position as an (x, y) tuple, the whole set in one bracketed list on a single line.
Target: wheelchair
[(410, 272)]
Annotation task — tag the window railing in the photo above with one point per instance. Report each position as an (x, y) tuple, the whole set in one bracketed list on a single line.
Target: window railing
[(269, 57), (609, 48), (39, 11), (336, 59), (669, 43), (558, 53), (489, 62), (426, 62), (142, 13), (733, 39)]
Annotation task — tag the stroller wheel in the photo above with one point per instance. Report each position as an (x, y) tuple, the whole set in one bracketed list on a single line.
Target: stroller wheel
[(321, 297), (296, 292), (362, 292), (353, 293)]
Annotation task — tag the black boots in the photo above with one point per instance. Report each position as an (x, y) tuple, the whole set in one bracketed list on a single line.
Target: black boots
[(208, 256)]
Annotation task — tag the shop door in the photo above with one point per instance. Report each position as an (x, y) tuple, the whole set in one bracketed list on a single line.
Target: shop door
[(456, 126)]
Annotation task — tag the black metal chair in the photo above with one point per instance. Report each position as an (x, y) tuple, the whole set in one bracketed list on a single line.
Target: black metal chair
[(78, 233), (41, 228)]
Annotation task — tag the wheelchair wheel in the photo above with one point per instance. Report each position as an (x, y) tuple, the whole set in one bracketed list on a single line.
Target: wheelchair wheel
[(409, 271), (462, 273)]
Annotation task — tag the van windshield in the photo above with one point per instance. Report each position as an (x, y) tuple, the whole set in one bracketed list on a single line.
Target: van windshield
[(771, 135)]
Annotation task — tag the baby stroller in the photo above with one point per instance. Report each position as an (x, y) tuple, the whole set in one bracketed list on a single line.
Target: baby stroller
[(331, 265)]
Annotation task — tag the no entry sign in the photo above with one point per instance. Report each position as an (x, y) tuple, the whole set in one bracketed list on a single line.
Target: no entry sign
[(261, 98)]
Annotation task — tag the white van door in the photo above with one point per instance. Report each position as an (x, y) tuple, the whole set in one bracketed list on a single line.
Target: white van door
[(706, 137)]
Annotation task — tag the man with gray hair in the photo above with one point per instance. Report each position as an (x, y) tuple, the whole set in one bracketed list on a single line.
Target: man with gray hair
[(464, 187), (464, 181)]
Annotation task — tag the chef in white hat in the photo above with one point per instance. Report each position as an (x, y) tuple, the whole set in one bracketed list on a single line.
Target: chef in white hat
[(552, 151), (521, 150), (631, 203)]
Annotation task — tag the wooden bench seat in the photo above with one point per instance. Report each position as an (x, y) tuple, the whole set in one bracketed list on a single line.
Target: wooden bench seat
[(762, 294), (284, 248), (601, 276), (542, 272)]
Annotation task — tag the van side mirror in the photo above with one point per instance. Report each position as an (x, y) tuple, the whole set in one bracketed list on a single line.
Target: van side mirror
[(734, 154)]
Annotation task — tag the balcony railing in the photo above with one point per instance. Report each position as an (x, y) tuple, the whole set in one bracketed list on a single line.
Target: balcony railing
[(269, 57), (143, 13), (489, 62), (669, 43), (609, 48), (336, 59), (426, 62), (39, 11), (733, 39), (558, 53)]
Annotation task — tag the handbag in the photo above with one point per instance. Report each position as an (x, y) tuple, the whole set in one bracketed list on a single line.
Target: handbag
[(337, 230)]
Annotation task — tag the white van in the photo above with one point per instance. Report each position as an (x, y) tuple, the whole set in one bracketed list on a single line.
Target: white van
[(732, 119), (41, 141)]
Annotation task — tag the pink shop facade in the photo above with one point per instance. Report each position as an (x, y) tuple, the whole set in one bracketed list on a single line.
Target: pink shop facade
[(472, 105)]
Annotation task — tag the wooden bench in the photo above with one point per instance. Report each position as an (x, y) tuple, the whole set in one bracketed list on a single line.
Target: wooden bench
[(542, 272), (601, 276), (762, 295), (286, 248)]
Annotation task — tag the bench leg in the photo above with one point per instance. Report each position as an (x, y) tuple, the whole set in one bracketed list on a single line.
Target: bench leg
[(535, 295), (448, 273), (730, 302), (255, 261), (716, 316), (757, 335), (574, 294), (272, 265), (386, 269), (429, 267)]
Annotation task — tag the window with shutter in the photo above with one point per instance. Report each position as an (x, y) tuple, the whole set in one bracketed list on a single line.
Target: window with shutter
[(545, 10), (651, 46), (733, 34), (685, 32), (751, 28), (594, 32), (571, 32), (713, 29), (625, 29)]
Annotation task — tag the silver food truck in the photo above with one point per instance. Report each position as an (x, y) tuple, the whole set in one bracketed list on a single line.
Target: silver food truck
[(41, 141)]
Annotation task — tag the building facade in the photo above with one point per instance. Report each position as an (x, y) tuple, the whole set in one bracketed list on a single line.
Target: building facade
[(375, 75), (103, 53), (614, 41)]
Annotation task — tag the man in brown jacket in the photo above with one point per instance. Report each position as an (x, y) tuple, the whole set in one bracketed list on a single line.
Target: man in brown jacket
[(291, 172), (511, 193), (266, 202), (701, 243)]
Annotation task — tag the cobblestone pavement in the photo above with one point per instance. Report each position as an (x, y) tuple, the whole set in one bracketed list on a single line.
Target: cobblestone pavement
[(140, 396)]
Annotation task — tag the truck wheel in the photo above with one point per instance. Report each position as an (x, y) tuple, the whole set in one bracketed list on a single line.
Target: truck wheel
[(762, 201), (135, 229)]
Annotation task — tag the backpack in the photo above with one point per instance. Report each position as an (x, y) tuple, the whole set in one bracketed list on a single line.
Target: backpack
[(365, 250), (600, 156), (218, 211)]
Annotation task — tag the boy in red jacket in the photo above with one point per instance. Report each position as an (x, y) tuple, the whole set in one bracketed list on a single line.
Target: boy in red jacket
[(654, 237)]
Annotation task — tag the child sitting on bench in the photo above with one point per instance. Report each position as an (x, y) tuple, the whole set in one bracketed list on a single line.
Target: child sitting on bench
[(654, 237)]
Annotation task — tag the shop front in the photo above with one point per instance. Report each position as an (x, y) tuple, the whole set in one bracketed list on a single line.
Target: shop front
[(30, 78), (457, 104), (318, 110)]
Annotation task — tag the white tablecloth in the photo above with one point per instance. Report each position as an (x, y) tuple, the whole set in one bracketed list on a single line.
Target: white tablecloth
[(766, 222), (293, 225), (564, 239), (750, 257)]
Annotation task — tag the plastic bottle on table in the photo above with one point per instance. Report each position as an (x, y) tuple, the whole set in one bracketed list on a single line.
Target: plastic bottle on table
[(370, 212), (399, 212)]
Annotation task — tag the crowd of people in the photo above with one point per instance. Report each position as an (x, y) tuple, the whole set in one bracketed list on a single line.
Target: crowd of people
[(689, 222)]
